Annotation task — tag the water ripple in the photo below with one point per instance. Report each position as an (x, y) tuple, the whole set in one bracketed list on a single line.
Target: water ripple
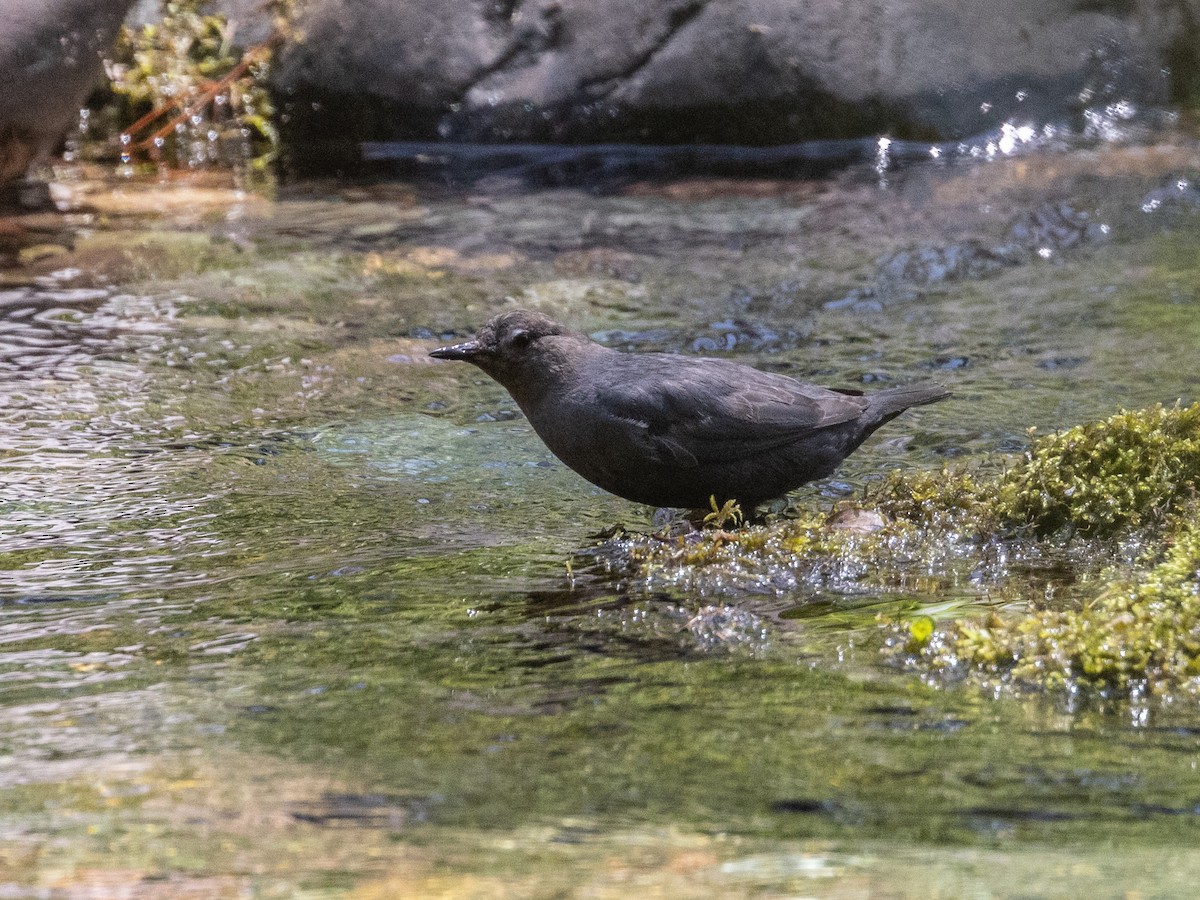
[(74, 478)]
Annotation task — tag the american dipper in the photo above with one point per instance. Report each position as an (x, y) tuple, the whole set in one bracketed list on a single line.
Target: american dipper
[(672, 430)]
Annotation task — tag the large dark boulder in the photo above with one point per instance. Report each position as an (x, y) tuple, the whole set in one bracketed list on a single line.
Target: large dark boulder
[(50, 60), (723, 71)]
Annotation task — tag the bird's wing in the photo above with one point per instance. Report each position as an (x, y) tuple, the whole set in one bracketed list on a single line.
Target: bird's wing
[(691, 412)]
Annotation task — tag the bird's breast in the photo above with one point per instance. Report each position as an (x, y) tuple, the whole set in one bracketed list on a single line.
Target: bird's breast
[(597, 446)]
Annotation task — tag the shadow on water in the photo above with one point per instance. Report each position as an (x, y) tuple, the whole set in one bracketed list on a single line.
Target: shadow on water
[(280, 595)]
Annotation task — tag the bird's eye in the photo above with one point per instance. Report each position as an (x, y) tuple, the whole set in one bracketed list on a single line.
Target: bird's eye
[(520, 339)]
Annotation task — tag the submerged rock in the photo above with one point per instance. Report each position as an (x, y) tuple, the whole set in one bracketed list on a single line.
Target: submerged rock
[(1042, 233), (1051, 229), (1177, 192), (723, 336)]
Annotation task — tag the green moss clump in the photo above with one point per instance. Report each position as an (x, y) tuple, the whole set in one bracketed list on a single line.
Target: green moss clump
[(1133, 470), (851, 547), (941, 499), (1130, 471), (1142, 632), (1133, 476), (749, 549)]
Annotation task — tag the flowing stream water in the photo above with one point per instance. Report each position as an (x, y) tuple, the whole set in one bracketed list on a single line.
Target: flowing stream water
[(288, 609)]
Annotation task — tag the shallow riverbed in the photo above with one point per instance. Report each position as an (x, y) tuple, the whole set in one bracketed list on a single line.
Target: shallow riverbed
[(288, 609)]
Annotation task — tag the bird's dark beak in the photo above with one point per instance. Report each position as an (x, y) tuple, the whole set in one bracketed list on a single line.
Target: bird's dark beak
[(467, 351)]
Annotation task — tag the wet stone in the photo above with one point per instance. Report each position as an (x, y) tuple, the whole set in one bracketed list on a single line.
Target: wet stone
[(926, 266), (1176, 192), (1041, 233), (719, 337), (635, 340), (1062, 362), (950, 363), (1052, 228)]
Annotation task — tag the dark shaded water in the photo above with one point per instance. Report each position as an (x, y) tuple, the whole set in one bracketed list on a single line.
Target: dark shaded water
[(287, 609)]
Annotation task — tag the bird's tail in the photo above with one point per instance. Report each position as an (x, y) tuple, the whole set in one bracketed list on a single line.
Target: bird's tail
[(890, 403)]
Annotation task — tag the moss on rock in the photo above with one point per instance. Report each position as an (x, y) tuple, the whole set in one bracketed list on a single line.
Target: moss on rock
[(1133, 474), (1132, 470), (1142, 633), (1129, 479)]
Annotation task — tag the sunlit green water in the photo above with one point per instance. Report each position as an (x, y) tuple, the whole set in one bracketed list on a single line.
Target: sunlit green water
[(290, 610)]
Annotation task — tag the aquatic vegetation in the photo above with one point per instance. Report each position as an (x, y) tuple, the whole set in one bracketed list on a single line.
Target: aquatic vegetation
[(1134, 475), (813, 549), (1131, 478), (1132, 470), (1142, 634), (184, 90)]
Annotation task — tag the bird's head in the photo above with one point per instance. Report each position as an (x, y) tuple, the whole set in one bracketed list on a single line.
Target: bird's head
[(511, 348)]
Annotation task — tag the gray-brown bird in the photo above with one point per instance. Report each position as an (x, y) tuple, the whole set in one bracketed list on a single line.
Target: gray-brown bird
[(670, 430)]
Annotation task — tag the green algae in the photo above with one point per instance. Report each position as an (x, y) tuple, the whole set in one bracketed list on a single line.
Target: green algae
[(1133, 470), (1135, 477)]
